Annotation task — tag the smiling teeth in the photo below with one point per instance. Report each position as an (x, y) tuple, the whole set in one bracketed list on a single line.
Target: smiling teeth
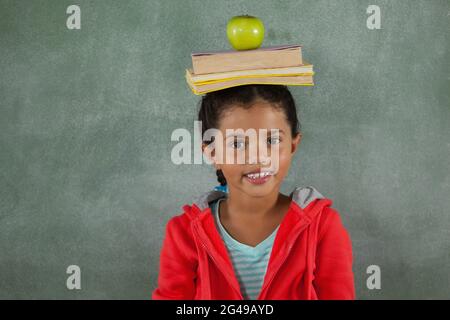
[(258, 175)]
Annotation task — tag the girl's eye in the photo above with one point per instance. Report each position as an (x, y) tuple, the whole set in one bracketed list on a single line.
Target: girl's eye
[(238, 144), (273, 140)]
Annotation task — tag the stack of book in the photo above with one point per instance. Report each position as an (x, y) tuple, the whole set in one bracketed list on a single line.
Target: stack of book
[(283, 65)]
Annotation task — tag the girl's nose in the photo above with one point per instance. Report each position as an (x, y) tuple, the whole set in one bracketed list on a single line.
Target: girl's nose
[(257, 155)]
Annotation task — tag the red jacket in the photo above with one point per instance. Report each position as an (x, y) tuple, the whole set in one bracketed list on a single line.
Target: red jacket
[(311, 256)]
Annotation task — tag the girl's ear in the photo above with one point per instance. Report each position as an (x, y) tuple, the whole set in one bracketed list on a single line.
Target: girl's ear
[(295, 142)]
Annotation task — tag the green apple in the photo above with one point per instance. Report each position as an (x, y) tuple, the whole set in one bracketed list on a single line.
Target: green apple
[(245, 32)]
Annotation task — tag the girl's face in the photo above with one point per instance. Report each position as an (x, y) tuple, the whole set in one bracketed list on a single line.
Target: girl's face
[(280, 148)]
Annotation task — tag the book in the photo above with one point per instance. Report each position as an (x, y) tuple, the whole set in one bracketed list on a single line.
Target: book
[(232, 60), (298, 80), (306, 69)]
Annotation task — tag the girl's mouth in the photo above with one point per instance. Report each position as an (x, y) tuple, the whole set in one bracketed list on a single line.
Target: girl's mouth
[(258, 177)]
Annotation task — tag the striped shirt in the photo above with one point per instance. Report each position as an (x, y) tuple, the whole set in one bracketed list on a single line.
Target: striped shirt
[(250, 263)]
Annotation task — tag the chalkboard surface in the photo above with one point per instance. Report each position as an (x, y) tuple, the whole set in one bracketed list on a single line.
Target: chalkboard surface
[(86, 117)]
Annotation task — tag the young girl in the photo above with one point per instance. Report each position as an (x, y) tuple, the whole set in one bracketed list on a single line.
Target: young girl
[(246, 240)]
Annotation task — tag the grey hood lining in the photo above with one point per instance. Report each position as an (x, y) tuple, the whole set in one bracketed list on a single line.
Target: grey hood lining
[(300, 195)]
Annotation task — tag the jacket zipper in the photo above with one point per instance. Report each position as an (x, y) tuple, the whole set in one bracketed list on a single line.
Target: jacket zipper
[(215, 261), (282, 261), (275, 272)]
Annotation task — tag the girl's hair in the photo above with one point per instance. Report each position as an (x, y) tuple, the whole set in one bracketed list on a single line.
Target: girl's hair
[(214, 104)]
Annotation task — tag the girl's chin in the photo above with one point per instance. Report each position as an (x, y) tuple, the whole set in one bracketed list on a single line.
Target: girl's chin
[(258, 191)]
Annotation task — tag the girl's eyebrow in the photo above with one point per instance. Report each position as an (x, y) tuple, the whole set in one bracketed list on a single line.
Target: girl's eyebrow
[(240, 135)]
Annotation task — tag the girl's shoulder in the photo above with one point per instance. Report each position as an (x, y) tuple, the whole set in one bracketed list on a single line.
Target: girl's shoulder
[(197, 206)]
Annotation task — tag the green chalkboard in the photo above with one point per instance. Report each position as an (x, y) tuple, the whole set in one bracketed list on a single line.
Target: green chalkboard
[(86, 117)]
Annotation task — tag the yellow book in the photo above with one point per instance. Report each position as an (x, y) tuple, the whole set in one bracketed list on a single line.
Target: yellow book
[(304, 80), (304, 70)]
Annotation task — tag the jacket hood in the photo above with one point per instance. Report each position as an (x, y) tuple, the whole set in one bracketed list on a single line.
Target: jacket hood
[(302, 196)]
